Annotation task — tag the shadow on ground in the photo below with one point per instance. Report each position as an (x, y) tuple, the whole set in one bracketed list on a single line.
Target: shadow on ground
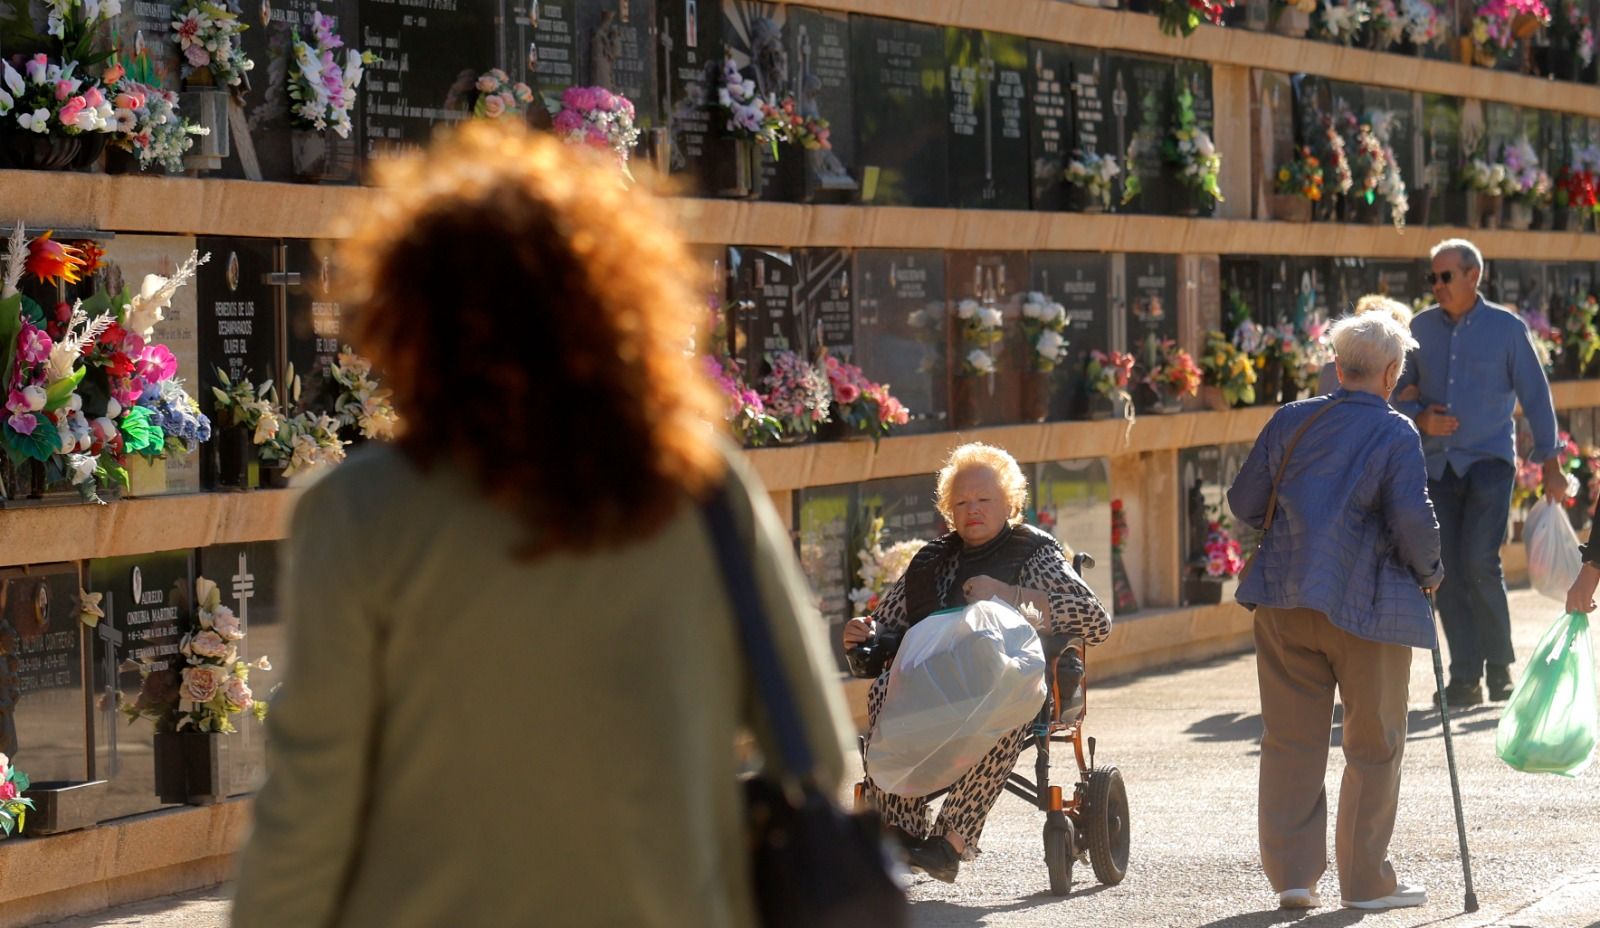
[(1421, 724), (1300, 918)]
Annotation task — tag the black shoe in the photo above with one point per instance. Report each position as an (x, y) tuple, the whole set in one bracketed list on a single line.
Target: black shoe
[(1499, 679), (937, 858), (901, 839), (1461, 693)]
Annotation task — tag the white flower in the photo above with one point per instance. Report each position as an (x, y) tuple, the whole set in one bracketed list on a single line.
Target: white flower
[(966, 309), (263, 664), (36, 121), (226, 624), (980, 361), (207, 598), (81, 466), (990, 318), (917, 318), (207, 644), (1050, 345), (13, 80), (35, 397)]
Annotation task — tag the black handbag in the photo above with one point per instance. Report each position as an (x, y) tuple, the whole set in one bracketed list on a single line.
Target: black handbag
[(813, 865)]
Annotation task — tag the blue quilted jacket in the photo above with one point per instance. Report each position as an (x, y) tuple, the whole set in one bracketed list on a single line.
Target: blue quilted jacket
[(1354, 536)]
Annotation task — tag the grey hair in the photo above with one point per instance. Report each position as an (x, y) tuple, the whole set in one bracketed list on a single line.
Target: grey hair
[(1368, 343), (1471, 257)]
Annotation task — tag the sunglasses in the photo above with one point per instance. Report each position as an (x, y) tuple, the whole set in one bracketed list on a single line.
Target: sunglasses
[(1443, 277)]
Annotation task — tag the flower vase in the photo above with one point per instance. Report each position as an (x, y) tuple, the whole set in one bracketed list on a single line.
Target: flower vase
[(1519, 215), (1202, 591), (1082, 201), (1107, 406), (273, 476), (91, 145), (1036, 390), (208, 106), (1288, 207), (788, 436), (121, 161), (232, 446), (322, 157), (64, 805), (971, 400), (1168, 401), (1212, 397), (1491, 211), (747, 178), (191, 768), (25, 482), (837, 429), (30, 151)]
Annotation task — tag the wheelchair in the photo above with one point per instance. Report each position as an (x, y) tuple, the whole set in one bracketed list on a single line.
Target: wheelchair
[(1092, 823)]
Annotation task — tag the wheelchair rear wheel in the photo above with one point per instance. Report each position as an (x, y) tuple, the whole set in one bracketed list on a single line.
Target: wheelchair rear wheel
[(1106, 814), (1058, 856)]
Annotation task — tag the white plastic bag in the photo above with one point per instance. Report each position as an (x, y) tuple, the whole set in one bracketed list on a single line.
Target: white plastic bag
[(962, 679), (1553, 558)]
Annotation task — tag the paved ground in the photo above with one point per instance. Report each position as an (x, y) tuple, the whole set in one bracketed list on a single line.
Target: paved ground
[(1186, 742)]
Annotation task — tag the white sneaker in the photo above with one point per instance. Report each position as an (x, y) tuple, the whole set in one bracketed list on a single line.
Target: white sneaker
[(1299, 899), (1403, 896)]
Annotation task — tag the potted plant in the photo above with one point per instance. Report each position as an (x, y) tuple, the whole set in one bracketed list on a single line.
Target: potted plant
[(1342, 22), (1528, 187), (1108, 376), (193, 698), (14, 807), (797, 394), (323, 93), (1092, 177), (1188, 149), (745, 412), (1173, 377), (1228, 374), (981, 332), (1296, 188), (51, 117), (1185, 16), (861, 408), (1044, 328)]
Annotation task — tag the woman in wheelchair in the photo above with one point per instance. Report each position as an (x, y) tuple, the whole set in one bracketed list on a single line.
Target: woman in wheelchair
[(989, 554)]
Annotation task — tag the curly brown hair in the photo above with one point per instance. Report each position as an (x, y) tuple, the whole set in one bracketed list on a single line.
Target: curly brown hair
[(533, 316)]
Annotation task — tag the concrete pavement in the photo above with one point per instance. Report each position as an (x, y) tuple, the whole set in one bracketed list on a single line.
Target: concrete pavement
[(1186, 741)]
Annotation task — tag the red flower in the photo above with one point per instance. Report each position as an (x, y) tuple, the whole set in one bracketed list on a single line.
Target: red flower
[(50, 261), (120, 365)]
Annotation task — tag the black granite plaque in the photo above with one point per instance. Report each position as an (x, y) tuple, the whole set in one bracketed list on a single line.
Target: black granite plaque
[(906, 505), (146, 26), (1081, 284), (1505, 285), (901, 324), (1141, 116), (823, 283), (1279, 291), (1551, 142), (1399, 280), (1200, 492), (988, 75), (1243, 279), (1194, 76), (1152, 304), (267, 145), (756, 33), (42, 696), (238, 318), (147, 600), (432, 55), (1312, 101), (1313, 291), (823, 522), (690, 32), (1350, 279), (1439, 186), (901, 111), (514, 40), (551, 51), (1093, 122), (997, 280), (761, 285), (1504, 125), (1072, 501), (314, 322), (1393, 114), (618, 47), (819, 56), (1050, 122), (248, 577)]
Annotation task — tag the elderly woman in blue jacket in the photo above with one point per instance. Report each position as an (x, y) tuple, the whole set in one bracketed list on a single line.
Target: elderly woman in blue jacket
[(1339, 488)]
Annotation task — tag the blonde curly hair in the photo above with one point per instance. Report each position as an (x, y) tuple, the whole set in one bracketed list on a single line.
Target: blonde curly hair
[(977, 454)]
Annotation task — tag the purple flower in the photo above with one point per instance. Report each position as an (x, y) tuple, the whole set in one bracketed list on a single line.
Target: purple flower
[(23, 423)]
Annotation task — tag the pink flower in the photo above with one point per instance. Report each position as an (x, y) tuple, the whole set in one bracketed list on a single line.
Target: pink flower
[(487, 84), (493, 106), (17, 403), (156, 363), (200, 684), (846, 393), (238, 694), (569, 120), (23, 423), (93, 97), (70, 110), (197, 55), (129, 100), (33, 345), (8, 791)]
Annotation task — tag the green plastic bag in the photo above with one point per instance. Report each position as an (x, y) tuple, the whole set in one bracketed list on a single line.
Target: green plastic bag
[(1550, 724)]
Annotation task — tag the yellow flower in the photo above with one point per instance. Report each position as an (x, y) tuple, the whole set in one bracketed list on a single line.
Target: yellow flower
[(1283, 174)]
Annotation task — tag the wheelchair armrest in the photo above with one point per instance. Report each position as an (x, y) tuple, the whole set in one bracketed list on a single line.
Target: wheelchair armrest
[(868, 659)]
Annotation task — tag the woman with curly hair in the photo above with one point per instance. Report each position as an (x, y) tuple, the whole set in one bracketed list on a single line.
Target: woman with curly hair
[(988, 553), (516, 679)]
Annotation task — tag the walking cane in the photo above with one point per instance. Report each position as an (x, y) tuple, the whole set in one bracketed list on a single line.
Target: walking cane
[(1471, 901)]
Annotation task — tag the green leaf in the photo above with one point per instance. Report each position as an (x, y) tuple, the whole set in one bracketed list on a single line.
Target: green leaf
[(139, 434), (60, 392), (97, 304), (10, 328), (21, 780), (32, 311), (38, 447)]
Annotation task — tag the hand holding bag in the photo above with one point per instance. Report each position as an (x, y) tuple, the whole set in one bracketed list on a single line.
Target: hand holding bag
[(814, 865)]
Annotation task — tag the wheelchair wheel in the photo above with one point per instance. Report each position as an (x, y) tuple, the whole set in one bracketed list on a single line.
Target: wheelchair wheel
[(1106, 815), (1058, 857)]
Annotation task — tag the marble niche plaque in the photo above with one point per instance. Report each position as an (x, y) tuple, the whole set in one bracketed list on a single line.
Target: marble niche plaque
[(997, 280), (147, 599), (128, 259), (42, 687), (1049, 122), (313, 321), (690, 35), (761, 306), (1081, 284), (823, 81), (432, 55), (988, 74), (901, 111), (261, 136), (1152, 302), (248, 576), (900, 331), (237, 312), (822, 300)]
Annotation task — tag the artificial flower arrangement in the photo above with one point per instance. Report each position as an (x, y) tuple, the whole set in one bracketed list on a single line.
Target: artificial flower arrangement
[(86, 385), (1301, 176), (1581, 336), (1369, 163), (1394, 21), (499, 97), (1108, 374), (323, 89), (859, 404), (145, 121), (1331, 143), (52, 99), (745, 412), (1094, 174), (768, 120), (243, 405), (1497, 25), (1342, 22), (303, 441), (1546, 337), (1229, 369), (210, 37), (77, 26), (1190, 150), (1318, 346), (1577, 186), (205, 685), (1391, 183), (1185, 16), (1488, 178), (880, 567), (980, 332), (1578, 32), (1044, 326), (14, 806), (1224, 556), (362, 405), (598, 118), (1526, 181), (1174, 374), (796, 393)]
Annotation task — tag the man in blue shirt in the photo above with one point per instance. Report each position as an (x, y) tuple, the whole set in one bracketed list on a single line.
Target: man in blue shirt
[(1474, 364)]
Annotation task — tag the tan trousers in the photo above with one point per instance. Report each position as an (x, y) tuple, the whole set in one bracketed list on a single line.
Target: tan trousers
[(1300, 658)]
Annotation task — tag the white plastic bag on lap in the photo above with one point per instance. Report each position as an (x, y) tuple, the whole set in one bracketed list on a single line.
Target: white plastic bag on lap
[(1553, 557), (962, 680)]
